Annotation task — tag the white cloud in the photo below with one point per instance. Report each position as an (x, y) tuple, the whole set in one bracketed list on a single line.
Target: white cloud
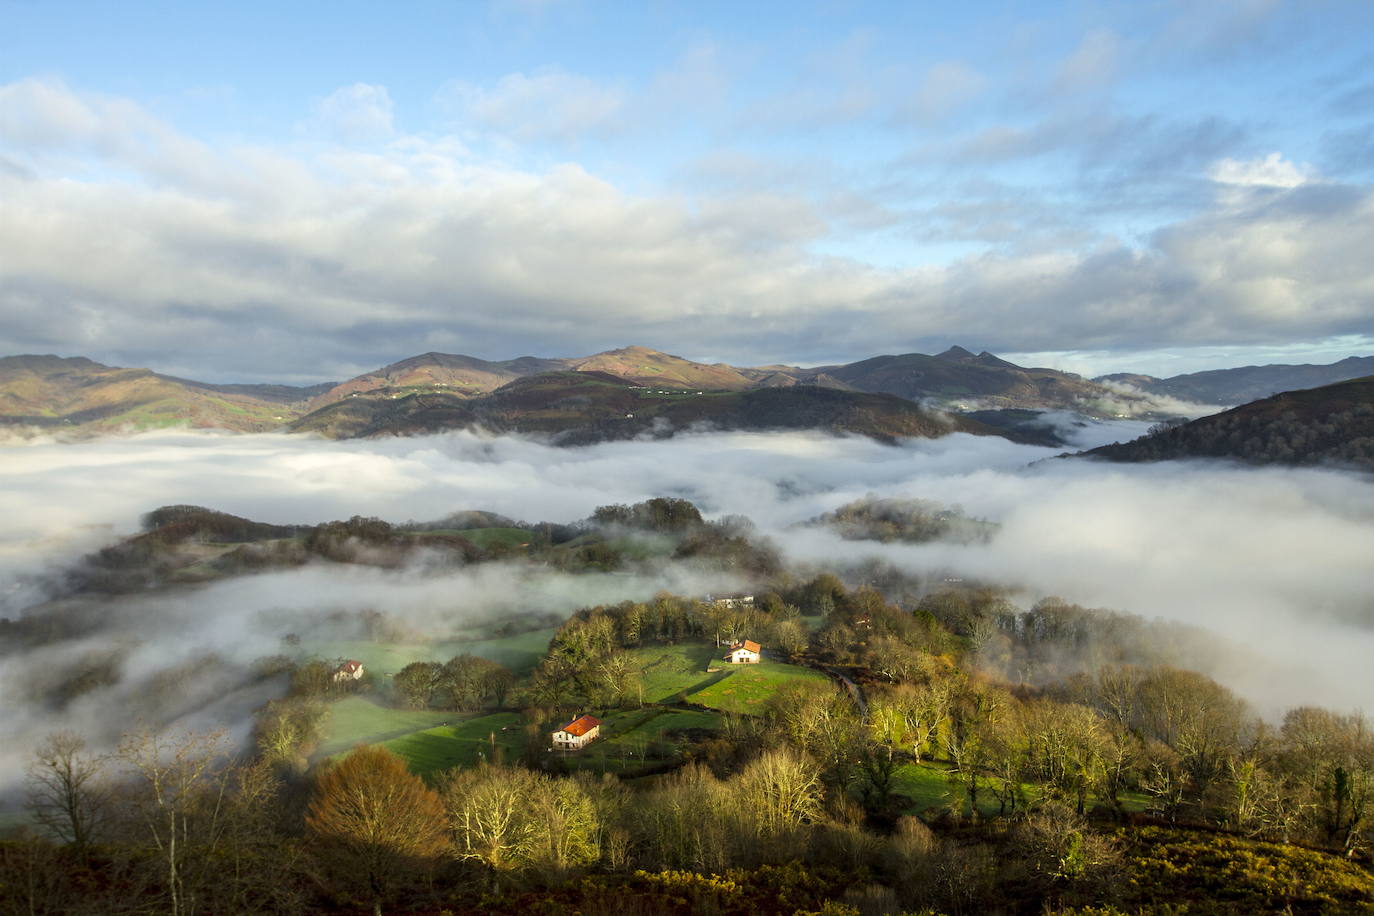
[(1093, 64), (945, 87), (259, 263), (1273, 560), (545, 105), (1271, 171), (358, 113)]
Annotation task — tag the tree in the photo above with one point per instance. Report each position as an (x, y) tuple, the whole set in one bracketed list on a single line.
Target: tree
[(374, 822), (178, 796), (416, 682), (66, 790)]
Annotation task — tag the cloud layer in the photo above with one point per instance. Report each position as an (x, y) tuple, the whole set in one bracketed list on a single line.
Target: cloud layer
[(132, 241), (1275, 560)]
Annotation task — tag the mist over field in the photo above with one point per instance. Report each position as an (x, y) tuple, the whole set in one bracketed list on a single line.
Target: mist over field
[(1273, 560)]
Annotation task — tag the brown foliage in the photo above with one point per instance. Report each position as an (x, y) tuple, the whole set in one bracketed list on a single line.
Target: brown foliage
[(375, 823)]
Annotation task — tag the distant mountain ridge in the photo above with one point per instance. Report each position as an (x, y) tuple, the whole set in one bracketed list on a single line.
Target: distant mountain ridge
[(53, 392), (1332, 424), (580, 407), (88, 398), (1247, 383)]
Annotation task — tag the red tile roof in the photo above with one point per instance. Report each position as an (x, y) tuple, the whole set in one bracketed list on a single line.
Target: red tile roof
[(581, 725), (350, 666), (750, 645)]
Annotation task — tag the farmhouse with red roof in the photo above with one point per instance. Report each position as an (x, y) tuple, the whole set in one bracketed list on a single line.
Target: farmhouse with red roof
[(743, 653), (576, 734)]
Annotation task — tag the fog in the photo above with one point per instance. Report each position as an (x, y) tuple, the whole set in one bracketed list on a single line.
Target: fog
[(1274, 560)]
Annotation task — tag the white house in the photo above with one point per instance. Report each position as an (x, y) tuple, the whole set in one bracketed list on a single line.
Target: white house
[(577, 734), (350, 670), (735, 601), (743, 653)]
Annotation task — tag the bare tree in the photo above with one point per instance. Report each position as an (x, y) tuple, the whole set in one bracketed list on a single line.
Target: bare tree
[(178, 796), (67, 791)]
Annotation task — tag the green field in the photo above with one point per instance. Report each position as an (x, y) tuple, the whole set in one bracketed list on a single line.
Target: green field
[(462, 742), (670, 671), (745, 688), (520, 653), (356, 720), (487, 537)]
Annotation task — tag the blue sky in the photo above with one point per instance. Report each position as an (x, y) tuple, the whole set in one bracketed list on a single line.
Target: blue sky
[(304, 191)]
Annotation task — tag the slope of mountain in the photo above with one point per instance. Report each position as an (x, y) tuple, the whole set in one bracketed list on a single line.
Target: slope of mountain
[(1247, 383), (958, 378), (76, 393), (582, 407), (1330, 424)]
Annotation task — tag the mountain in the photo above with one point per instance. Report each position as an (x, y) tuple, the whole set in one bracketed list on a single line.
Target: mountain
[(469, 377), (75, 393), (1330, 424), (957, 378), (85, 397), (1247, 383), (582, 407)]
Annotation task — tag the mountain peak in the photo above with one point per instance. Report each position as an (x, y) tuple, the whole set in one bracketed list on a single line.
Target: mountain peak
[(955, 352)]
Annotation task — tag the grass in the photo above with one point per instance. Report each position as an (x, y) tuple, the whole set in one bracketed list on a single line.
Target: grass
[(356, 720), (683, 669), (487, 537), (670, 670), (520, 652), (745, 688), (462, 742)]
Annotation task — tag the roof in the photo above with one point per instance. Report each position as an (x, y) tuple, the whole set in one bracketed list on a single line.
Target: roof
[(581, 725), (350, 665), (748, 645)]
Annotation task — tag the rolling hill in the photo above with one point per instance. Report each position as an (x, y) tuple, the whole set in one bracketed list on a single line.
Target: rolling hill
[(582, 407), (75, 393), (1333, 424)]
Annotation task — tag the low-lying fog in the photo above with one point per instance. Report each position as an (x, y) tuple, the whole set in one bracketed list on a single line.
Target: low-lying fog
[(1276, 560)]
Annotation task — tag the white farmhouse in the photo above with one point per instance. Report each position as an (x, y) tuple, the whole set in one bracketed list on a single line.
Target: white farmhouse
[(349, 670), (743, 653), (577, 734)]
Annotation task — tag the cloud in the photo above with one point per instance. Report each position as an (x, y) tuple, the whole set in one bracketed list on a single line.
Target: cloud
[(255, 264), (1092, 65), (357, 114), (545, 105), (944, 88), (1273, 560), (1271, 171)]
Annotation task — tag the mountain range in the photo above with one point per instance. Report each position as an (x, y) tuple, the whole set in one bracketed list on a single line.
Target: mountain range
[(1230, 387), (615, 394), (89, 398)]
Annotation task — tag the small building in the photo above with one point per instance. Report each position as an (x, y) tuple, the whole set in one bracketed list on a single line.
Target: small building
[(350, 670), (734, 601), (577, 734), (743, 653)]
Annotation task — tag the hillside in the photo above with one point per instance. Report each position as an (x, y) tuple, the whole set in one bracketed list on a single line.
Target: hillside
[(1247, 383), (442, 391), (75, 393), (582, 407), (957, 378), (1331, 424)]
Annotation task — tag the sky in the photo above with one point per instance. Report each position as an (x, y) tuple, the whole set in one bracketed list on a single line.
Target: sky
[(303, 192)]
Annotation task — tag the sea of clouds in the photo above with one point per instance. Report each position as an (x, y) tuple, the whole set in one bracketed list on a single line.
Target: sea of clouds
[(1275, 560)]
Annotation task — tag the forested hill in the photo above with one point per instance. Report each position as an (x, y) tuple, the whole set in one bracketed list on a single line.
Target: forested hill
[(1332, 424), (583, 407)]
